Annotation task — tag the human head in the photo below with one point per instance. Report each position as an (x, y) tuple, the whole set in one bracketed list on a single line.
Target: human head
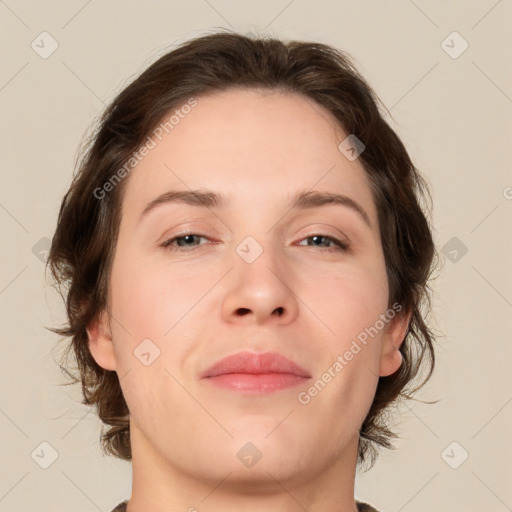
[(84, 244)]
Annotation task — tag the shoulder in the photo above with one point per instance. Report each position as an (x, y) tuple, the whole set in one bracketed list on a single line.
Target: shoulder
[(362, 507), (121, 507), (365, 507)]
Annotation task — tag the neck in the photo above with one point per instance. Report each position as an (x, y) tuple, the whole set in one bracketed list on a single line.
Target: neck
[(160, 484)]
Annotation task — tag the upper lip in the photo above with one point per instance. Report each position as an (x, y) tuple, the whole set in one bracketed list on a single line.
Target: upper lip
[(255, 363)]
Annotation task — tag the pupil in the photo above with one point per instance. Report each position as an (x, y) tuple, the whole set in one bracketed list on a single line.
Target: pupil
[(187, 238)]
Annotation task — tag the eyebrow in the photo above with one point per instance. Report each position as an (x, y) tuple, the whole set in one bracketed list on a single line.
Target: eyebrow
[(300, 201)]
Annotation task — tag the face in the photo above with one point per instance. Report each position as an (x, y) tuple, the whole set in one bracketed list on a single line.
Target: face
[(194, 283)]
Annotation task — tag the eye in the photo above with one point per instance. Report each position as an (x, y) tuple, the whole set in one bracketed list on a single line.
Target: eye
[(182, 241), (338, 244), (185, 242)]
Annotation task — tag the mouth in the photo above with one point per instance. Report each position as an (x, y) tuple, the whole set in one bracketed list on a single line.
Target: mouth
[(254, 373)]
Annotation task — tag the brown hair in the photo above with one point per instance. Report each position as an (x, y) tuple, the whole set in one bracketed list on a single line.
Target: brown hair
[(83, 245)]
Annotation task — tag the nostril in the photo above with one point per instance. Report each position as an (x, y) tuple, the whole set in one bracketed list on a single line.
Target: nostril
[(279, 311), (243, 311)]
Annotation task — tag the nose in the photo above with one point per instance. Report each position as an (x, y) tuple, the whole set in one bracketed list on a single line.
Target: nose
[(260, 292)]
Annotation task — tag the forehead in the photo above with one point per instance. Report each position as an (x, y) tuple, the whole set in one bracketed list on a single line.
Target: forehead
[(253, 146)]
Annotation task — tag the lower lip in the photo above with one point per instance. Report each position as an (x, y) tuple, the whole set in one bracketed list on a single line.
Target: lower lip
[(256, 383)]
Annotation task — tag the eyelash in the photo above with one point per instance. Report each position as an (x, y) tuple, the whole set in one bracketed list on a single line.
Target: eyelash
[(340, 246)]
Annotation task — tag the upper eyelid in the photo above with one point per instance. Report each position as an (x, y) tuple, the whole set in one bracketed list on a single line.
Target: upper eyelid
[(319, 230)]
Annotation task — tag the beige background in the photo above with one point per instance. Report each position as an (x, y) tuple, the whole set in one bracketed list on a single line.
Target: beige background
[(454, 115)]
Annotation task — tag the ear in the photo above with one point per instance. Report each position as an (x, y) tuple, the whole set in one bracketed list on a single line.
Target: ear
[(100, 342), (394, 335)]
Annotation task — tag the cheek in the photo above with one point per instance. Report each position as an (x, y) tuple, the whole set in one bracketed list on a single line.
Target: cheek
[(349, 304), (151, 298), (348, 300)]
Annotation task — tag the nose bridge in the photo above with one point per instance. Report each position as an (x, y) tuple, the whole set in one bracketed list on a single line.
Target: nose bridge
[(260, 263), (258, 284)]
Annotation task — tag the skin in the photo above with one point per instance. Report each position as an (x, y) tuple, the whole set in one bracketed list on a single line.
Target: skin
[(258, 148)]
